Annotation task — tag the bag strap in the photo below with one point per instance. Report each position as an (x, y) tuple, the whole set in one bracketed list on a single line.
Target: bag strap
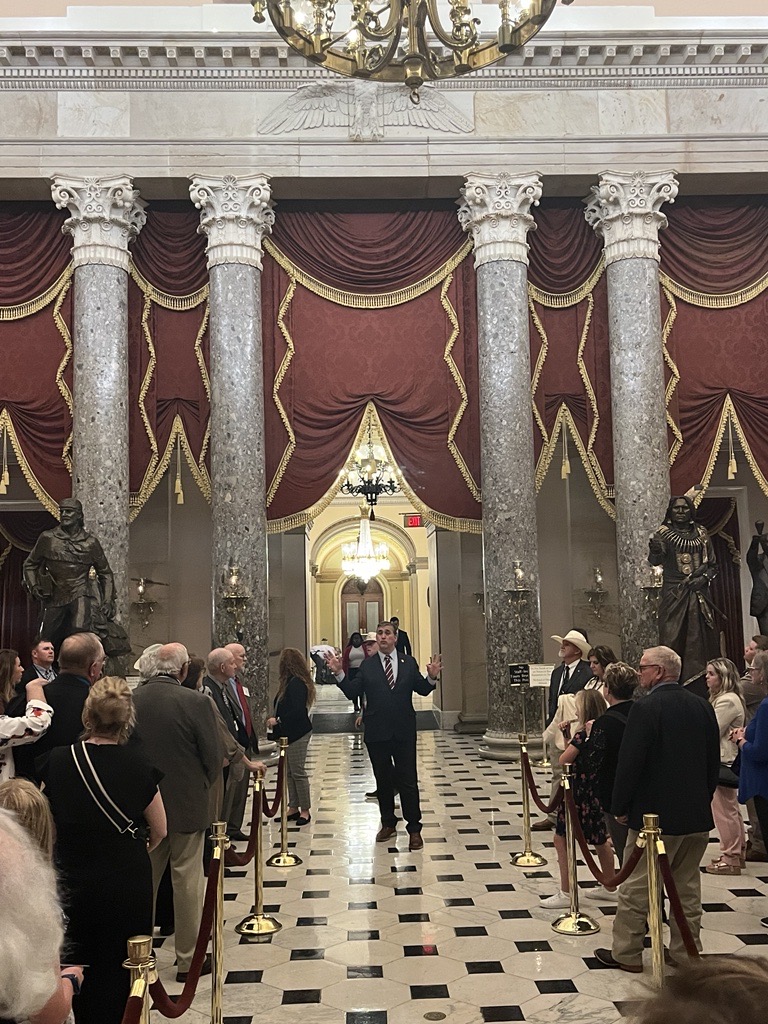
[(129, 825)]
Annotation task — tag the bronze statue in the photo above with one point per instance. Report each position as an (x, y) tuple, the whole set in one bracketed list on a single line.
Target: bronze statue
[(757, 560), (686, 613), (68, 572)]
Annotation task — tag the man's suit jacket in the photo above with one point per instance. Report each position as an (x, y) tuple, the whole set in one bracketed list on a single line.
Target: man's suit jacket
[(669, 762), (66, 695), (30, 674), (227, 708), (580, 675), (403, 643), (177, 733), (388, 714)]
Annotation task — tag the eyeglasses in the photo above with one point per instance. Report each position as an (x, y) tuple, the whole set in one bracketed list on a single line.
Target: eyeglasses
[(640, 668)]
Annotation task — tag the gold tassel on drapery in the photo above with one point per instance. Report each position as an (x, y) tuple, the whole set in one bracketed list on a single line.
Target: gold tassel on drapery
[(5, 479), (565, 468), (732, 467), (178, 489)]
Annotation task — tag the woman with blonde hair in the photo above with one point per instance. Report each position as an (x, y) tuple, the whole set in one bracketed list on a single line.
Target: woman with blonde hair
[(32, 810), (108, 811), (27, 727), (722, 678), (295, 696)]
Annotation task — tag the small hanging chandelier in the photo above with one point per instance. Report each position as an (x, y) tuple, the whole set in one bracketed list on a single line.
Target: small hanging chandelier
[(405, 40), (361, 559), (368, 473)]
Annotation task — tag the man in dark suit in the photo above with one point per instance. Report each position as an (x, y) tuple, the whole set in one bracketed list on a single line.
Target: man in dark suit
[(81, 660), (241, 698), (402, 640), (42, 663), (387, 681), (221, 668), (176, 731), (669, 764)]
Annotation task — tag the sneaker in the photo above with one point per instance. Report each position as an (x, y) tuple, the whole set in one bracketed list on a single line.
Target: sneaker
[(560, 901), (599, 892)]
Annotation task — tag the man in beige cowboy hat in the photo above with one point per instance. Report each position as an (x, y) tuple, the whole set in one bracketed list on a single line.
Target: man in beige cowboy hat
[(569, 676)]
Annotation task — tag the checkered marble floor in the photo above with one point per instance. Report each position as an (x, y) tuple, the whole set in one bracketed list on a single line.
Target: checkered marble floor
[(373, 934)]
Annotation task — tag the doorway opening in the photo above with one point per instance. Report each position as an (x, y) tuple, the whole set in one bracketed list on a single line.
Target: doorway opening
[(362, 606)]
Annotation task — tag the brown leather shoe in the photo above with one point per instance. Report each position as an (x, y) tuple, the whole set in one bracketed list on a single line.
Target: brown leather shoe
[(415, 842), (545, 825), (754, 856), (606, 957), (385, 832)]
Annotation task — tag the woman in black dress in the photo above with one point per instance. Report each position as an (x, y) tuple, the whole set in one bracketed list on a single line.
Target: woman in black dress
[(295, 696), (102, 844)]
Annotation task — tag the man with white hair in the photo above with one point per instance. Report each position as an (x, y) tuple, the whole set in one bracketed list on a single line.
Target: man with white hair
[(176, 729), (669, 763), (241, 700), (221, 668)]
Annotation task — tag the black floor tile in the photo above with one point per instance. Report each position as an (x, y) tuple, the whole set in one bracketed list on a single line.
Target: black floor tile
[(307, 954), (364, 935), (429, 950), (362, 906), (760, 939), (450, 878), (716, 908), (470, 930), (429, 992), (316, 894), (301, 995), (412, 918), (512, 915), (484, 967), (491, 1014), (556, 986), (746, 892), (242, 977), (596, 965), (536, 946), (238, 1020), (365, 972), (500, 887), (366, 1017), (461, 901)]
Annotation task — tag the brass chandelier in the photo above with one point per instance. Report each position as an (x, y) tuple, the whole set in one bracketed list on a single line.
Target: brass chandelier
[(404, 40)]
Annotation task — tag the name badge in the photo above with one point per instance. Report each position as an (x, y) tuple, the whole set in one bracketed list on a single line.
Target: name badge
[(246, 691)]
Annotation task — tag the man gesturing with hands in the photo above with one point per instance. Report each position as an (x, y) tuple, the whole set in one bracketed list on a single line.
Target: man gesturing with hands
[(387, 681)]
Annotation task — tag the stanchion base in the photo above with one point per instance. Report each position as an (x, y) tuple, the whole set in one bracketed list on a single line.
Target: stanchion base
[(258, 924), (284, 860), (528, 860), (544, 762), (575, 924)]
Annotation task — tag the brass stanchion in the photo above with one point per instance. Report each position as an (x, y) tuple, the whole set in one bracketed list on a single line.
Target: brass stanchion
[(573, 922), (284, 859), (141, 964), (544, 762), (258, 923), (654, 845), (220, 841), (526, 859)]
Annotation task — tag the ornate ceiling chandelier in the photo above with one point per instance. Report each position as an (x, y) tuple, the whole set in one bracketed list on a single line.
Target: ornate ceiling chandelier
[(362, 559), (405, 40), (369, 473)]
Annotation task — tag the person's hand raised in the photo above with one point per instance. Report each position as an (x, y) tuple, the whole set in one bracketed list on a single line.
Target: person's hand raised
[(333, 661), (435, 666)]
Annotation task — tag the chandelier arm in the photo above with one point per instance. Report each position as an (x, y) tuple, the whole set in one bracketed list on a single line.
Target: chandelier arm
[(394, 23), (432, 14)]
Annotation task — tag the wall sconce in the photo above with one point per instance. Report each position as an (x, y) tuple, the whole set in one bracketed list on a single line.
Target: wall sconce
[(653, 583), (597, 594), (519, 593), (144, 607), (235, 598)]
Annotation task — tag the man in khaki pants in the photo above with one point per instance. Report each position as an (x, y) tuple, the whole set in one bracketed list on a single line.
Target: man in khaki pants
[(669, 764)]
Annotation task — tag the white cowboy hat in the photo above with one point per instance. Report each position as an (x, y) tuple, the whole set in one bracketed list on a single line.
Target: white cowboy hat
[(575, 638), (370, 637), (146, 653)]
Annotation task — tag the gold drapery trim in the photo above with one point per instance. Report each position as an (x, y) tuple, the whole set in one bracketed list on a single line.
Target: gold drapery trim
[(39, 491), (365, 300), (61, 384), (719, 530), (175, 302), (458, 380), (40, 301), (674, 378), (727, 413), (146, 381), (370, 415), (592, 467), (282, 370), (715, 300), (561, 300), (177, 435)]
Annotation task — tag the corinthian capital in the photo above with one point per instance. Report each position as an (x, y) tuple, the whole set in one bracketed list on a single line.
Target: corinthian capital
[(236, 214), (625, 209), (105, 214), (495, 210)]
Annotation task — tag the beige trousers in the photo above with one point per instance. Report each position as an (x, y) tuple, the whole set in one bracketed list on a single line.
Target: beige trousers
[(185, 852), (685, 853)]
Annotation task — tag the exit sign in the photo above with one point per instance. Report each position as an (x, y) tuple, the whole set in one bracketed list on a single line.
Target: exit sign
[(412, 520)]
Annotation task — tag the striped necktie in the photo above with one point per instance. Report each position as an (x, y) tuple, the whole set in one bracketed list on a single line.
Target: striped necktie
[(388, 671)]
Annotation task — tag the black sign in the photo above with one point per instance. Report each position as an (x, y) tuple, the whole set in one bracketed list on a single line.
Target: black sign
[(520, 675)]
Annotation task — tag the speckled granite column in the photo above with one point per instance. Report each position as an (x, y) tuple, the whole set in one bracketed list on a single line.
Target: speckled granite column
[(496, 211), (105, 214), (625, 210), (236, 213)]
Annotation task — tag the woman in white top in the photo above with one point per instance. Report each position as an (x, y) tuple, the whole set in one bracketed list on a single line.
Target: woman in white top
[(28, 727), (725, 697)]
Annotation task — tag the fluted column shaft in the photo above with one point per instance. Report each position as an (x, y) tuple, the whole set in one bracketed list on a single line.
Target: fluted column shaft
[(105, 214), (236, 213), (625, 211), (496, 211)]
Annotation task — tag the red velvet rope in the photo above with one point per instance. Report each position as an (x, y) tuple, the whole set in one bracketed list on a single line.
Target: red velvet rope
[(232, 858), (609, 881), (133, 1008), (178, 1005), (270, 810), (544, 808), (677, 907)]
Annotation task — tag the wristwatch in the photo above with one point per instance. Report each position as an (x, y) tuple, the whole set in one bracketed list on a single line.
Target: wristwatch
[(74, 982)]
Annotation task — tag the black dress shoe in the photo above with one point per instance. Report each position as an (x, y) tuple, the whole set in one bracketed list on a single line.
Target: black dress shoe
[(304, 820), (385, 832), (207, 967), (415, 842), (238, 835), (294, 817), (605, 956)]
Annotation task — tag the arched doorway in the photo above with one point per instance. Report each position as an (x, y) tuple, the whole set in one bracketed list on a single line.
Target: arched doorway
[(362, 607)]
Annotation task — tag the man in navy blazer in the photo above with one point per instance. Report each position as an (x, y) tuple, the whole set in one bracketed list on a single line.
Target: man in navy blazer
[(387, 681)]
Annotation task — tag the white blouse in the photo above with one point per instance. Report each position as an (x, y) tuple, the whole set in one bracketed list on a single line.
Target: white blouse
[(17, 731)]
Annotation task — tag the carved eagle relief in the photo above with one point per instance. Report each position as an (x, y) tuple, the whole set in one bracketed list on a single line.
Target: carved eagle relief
[(366, 109)]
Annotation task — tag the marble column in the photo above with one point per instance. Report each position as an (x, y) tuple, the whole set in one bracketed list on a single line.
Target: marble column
[(495, 210), (235, 215), (105, 214), (625, 210)]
